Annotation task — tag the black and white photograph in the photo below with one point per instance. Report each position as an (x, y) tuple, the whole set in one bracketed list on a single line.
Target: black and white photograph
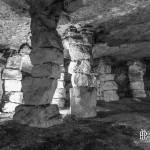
[(74, 74)]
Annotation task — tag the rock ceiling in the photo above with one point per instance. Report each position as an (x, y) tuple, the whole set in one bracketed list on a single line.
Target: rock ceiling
[(121, 27)]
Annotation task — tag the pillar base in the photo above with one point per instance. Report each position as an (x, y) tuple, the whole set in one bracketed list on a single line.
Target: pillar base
[(83, 102)]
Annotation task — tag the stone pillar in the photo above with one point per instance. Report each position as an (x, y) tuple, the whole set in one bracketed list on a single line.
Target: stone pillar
[(60, 92), (12, 84), (136, 71), (82, 95), (107, 87), (46, 57)]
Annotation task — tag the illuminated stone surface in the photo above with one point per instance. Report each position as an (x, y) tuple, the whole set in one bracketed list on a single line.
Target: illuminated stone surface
[(9, 107), (11, 74), (12, 85), (15, 97), (83, 102), (14, 62), (26, 64), (82, 66)]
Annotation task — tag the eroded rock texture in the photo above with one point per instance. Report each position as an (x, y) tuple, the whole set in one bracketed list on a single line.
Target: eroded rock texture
[(46, 55), (79, 44)]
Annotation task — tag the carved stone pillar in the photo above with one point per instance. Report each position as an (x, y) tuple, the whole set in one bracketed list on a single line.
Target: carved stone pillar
[(82, 95), (107, 87), (136, 71)]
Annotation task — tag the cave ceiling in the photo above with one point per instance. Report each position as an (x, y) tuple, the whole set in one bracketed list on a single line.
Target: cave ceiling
[(121, 27)]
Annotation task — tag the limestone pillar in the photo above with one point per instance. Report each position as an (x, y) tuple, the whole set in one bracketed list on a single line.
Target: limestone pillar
[(12, 77), (82, 95), (136, 71), (60, 92), (107, 87)]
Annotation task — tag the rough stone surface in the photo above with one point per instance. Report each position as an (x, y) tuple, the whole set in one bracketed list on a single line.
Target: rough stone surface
[(14, 62), (43, 55), (59, 93), (14, 97), (107, 77), (83, 102), (136, 72), (80, 66), (40, 116), (60, 83), (110, 85), (26, 64), (110, 96), (79, 52), (60, 102), (137, 85), (78, 79), (9, 107), (38, 91), (139, 93), (12, 85), (50, 70), (14, 24), (103, 68), (11, 74)]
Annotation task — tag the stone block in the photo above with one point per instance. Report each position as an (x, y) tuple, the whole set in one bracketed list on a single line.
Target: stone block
[(26, 50), (60, 102), (136, 67), (12, 86), (26, 64), (139, 85), (110, 85), (50, 70), (60, 93), (65, 43), (76, 40), (11, 74), (83, 102), (78, 79), (38, 91), (139, 93), (80, 66), (60, 83), (44, 55), (14, 62), (9, 107), (79, 52), (37, 116), (87, 38), (104, 69), (133, 77), (110, 96), (14, 97), (1, 90), (107, 77), (48, 39)]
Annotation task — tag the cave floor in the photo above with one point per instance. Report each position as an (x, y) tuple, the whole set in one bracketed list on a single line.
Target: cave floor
[(117, 127)]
